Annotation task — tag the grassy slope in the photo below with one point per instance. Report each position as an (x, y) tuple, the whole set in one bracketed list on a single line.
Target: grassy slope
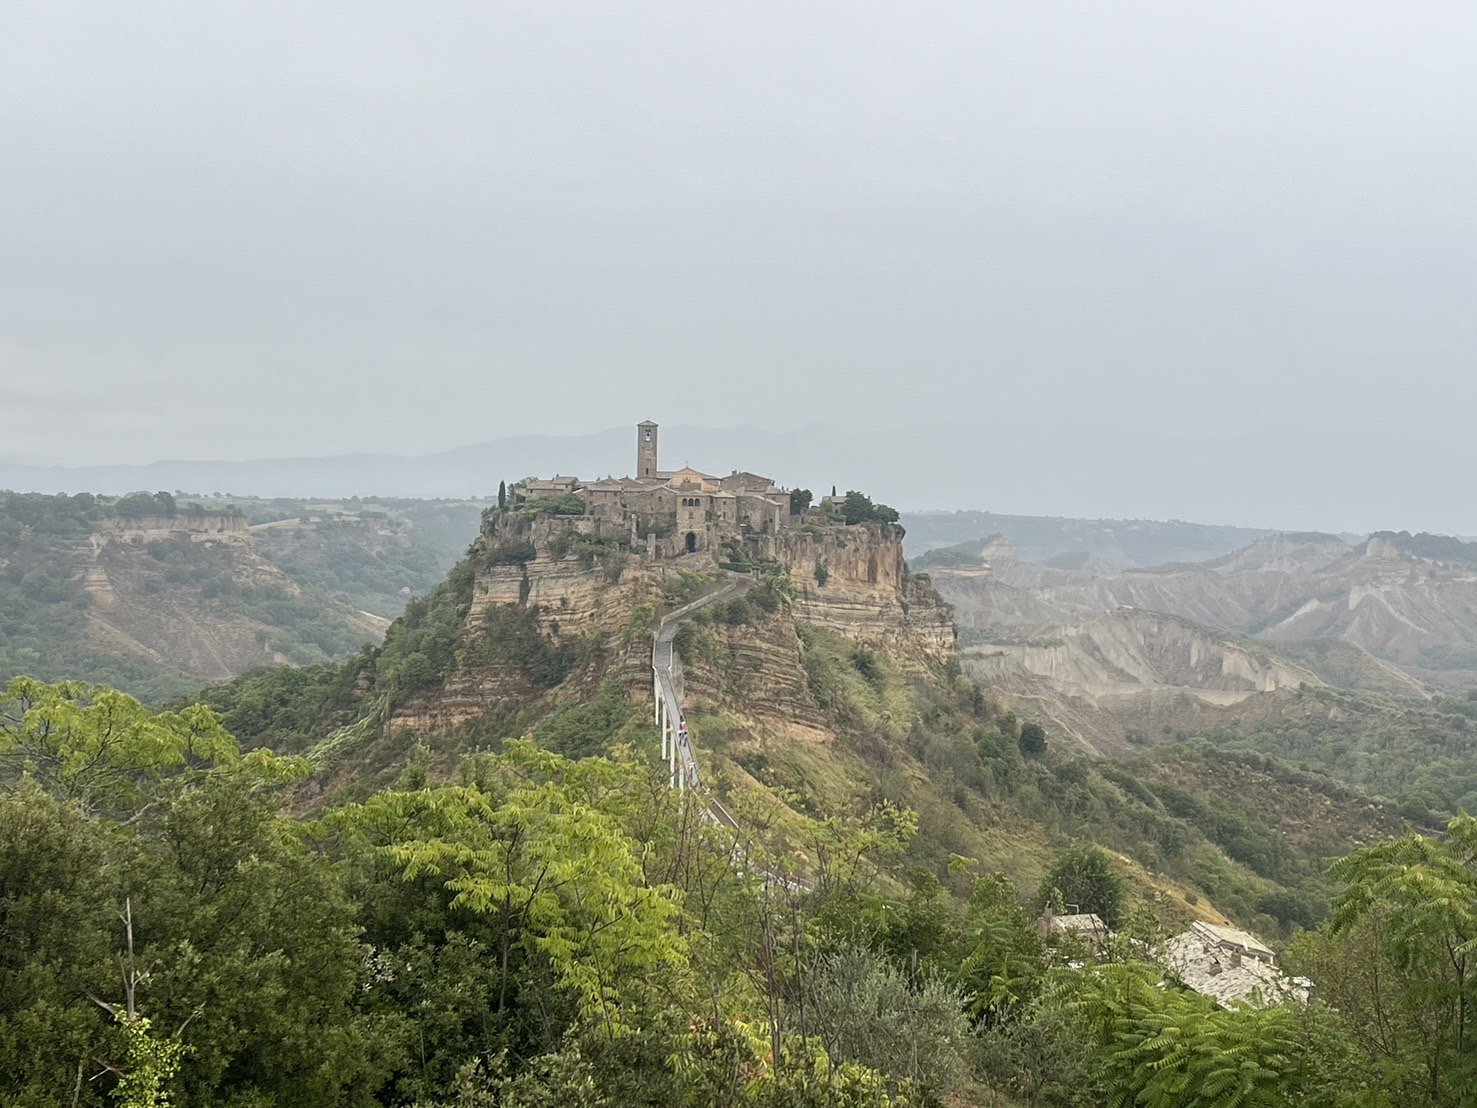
[(1189, 826)]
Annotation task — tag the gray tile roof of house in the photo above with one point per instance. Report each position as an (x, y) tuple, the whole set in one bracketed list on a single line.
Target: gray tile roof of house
[(1214, 971)]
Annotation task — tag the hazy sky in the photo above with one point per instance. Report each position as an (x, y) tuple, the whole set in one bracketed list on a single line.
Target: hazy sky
[(1103, 236)]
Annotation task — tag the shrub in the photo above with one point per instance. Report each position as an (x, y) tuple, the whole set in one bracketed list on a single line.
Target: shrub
[(1033, 740), (515, 552)]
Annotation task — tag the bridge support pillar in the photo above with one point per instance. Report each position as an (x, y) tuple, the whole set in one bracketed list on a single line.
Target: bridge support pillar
[(661, 720)]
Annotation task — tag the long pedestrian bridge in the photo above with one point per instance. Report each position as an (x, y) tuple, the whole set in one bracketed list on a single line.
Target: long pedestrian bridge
[(682, 767)]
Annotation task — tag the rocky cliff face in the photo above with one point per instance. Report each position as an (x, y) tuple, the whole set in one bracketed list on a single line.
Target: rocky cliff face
[(1417, 613), (586, 591), (1129, 651), (576, 579), (755, 674), (151, 528), (1106, 654), (854, 581), (582, 591), (290, 542)]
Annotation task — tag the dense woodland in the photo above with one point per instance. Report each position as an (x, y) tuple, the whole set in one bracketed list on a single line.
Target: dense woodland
[(1419, 755), (548, 931)]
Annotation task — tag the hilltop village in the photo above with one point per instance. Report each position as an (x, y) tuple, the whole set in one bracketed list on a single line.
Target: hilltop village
[(668, 512), (585, 557)]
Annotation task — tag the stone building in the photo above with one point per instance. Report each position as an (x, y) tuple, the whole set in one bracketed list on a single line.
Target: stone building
[(673, 512), (1229, 965)]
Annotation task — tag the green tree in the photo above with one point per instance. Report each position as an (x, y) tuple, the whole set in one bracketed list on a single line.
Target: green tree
[(865, 1010), (857, 508), (848, 849), (149, 1069), (101, 748), (799, 500), (557, 877), (250, 940), (1084, 879), (1164, 1048), (136, 504), (246, 941), (1414, 900), (1004, 958), (1040, 1057), (1380, 1005), (56, 923), (1032, 740)]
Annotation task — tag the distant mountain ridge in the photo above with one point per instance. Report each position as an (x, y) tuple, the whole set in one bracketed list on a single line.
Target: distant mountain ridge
[(1414, 612), (460, 472), (805, 456), (940, 465), (1110, 543), (1356, 659)]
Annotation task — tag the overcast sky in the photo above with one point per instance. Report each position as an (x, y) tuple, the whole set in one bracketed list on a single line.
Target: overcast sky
[(1100, 237)]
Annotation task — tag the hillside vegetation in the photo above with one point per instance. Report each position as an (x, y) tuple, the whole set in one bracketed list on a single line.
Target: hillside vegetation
[(796, 723), (157, 594), (470, 884), (536, 930)]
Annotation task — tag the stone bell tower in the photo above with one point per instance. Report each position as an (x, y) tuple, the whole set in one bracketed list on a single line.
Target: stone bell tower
[(646, 449)]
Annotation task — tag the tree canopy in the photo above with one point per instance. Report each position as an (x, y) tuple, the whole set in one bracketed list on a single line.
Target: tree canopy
[(858, 508), (547, 930), (1082, 879)]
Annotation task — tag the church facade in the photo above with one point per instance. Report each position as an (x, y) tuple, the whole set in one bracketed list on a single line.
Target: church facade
[(671, 512)]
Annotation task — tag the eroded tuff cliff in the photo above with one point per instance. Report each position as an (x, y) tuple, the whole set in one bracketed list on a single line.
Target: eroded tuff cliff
[(593, 601), (1217, 644), (754, 673), (1128, 651), (854, 581), (1415, 612)]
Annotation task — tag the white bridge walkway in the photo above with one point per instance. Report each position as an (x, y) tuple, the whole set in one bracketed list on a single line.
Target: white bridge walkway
[(682, 770)]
